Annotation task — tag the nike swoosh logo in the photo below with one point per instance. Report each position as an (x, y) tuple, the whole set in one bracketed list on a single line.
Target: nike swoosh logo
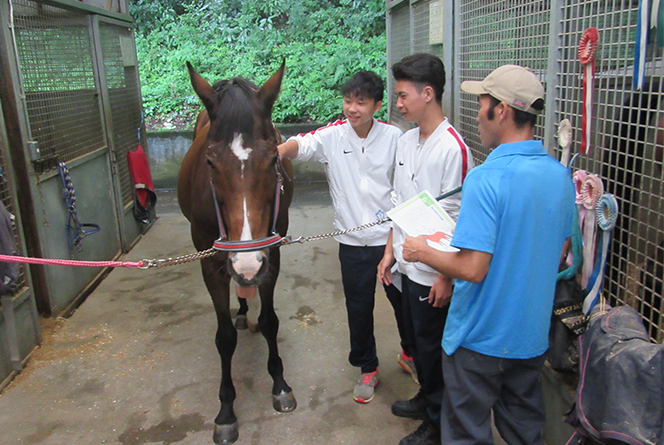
[(347, 152), (424, 298)]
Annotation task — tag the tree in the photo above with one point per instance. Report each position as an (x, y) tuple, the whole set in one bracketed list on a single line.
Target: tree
[(323, 42)]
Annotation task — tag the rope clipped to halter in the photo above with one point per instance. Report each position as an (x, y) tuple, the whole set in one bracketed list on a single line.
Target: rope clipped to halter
[(74, 229)]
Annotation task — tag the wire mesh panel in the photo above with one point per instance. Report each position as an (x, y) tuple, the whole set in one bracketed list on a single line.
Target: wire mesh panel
[(494, 33), (422, 32), (626, 146), (399, 47), (54, 54), (7, 200), (411, 31), (627, 137), (124, 95)]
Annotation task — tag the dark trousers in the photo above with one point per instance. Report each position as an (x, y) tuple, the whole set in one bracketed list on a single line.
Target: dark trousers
[(423, 326), (476, 383), (358, 275), (396, 300)]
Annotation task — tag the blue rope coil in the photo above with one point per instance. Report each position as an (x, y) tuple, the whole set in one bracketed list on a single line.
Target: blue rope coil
[(606, 212)]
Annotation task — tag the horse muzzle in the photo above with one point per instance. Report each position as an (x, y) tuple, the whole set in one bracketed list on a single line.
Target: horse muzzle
[(248, 268)]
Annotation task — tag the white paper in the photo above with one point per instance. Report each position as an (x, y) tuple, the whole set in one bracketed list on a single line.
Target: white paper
[(423, 215)]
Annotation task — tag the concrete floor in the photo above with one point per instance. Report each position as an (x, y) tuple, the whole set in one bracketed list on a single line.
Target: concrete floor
[(136, 363)]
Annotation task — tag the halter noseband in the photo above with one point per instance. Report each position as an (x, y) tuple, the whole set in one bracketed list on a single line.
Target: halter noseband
[(223, 244)]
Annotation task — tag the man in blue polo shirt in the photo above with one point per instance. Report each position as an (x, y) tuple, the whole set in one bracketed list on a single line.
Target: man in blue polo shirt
[(516, 215)]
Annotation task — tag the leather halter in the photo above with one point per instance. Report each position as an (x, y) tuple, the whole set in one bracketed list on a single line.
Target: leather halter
[(225, 245)]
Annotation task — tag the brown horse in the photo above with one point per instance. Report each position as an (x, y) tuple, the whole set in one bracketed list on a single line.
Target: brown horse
[(235, 192)]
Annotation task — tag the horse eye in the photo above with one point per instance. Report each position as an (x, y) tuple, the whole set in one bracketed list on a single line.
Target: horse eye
[(209, 162)]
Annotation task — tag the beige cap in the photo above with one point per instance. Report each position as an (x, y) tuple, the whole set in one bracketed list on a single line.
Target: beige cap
[(513, 84)]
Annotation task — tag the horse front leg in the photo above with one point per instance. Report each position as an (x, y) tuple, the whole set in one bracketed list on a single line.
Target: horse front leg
[(226, 429), (283, 399)]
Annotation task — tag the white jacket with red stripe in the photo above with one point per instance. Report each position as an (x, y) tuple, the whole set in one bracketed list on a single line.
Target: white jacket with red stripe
[(360, 174), (439, 166)]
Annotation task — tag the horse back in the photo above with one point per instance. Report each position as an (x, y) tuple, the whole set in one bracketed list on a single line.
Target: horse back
[(193, 174)]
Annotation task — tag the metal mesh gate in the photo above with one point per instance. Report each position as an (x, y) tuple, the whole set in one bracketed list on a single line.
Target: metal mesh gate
[(626, 154), (398, 44), (491, 34), (74, 80), (413, 28), (123, 90), (628, 136), (54, 50), (7, 200)]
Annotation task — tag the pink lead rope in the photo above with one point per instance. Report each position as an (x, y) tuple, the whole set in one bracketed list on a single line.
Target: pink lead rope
[(30, 260)]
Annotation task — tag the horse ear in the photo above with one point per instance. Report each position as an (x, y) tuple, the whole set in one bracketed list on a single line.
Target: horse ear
[(268, 93), (202, 88)]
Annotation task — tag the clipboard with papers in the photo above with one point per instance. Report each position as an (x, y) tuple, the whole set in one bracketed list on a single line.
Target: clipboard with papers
[(423, 215)]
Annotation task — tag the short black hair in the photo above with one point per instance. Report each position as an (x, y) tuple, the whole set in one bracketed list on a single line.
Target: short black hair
[(521, 117), (364, 83), (423, 69)]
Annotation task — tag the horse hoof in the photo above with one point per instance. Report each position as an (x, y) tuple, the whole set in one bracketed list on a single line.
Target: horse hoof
[(226, 434), (284, 402), (253, 327), (241, 322)]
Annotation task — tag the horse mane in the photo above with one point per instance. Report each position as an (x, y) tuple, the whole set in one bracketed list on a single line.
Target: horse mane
[(235, 110)]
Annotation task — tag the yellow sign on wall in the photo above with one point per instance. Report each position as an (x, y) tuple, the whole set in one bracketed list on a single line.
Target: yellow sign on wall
[(436, 22)]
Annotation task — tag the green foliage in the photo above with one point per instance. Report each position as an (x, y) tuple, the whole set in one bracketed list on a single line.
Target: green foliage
[(323, 43)]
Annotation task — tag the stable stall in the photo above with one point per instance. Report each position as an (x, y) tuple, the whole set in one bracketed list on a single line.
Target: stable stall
[(71, 113), (602, 66)]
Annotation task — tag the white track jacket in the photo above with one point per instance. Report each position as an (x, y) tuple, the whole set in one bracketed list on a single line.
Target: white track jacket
[(360, 174), (439, 165)]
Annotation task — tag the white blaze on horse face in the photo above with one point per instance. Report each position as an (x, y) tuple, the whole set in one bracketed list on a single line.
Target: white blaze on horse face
[(247, 264), (246, 229), (237, 146), (242, 154)]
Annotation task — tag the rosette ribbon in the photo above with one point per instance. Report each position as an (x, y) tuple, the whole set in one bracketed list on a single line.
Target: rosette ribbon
[(565, 140), (607, 214), (641, 46), (587, 50), (589, 189)]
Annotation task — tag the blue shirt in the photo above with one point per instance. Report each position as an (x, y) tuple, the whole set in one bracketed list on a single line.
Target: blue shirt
[(518, 205)]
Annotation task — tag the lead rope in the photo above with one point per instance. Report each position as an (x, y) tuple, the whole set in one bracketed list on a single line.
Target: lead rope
[(150, 263), (303, 239)]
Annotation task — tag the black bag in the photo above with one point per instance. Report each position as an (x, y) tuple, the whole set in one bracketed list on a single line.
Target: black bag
[(620, 395), (9, 272), (567, 323), (145, 214)]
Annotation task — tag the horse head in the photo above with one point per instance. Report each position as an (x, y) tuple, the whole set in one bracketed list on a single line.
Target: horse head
[(243, 165)]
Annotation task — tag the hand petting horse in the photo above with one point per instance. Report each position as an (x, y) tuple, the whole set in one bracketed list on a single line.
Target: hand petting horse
[(235, 191)]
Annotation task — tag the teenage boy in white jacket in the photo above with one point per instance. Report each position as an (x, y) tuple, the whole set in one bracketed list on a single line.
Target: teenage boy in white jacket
[(358, 155), (429, 157)]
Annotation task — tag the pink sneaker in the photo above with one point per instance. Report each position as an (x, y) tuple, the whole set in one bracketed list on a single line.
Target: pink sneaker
[(408, 365), (364, 389)]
